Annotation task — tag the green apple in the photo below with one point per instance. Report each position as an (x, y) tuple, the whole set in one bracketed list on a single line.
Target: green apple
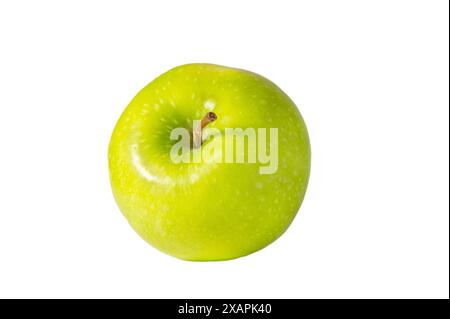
[(208, 210)]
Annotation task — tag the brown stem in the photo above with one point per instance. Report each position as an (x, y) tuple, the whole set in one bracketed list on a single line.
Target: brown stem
[(208, 118), (197, 134)]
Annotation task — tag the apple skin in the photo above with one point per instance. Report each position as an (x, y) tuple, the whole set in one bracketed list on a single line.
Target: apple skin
[(207, 211)]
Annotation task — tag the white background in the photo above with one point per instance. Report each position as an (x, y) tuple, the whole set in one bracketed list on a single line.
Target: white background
[(370, 78)]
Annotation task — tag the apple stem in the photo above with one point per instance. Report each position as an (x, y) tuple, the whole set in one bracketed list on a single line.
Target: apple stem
[(197, 136), (208, 118)]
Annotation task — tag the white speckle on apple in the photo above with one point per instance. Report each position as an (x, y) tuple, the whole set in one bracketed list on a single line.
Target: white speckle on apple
[(258, 185), (226, 120), (193, 178), (209, 105), (161, 100), (193, 96), (156, 107)]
